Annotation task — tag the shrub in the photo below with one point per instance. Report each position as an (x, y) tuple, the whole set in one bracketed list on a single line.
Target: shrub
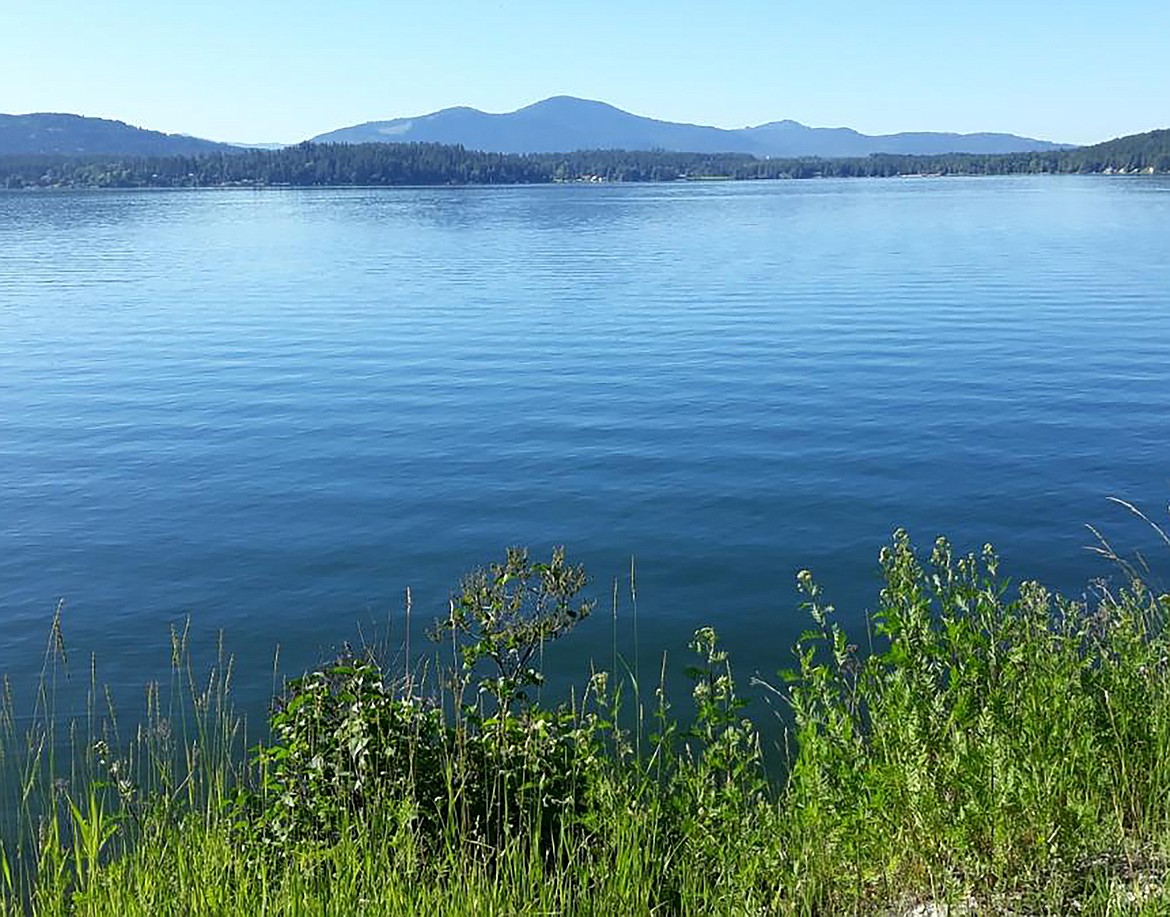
[(348, 745), (344, 742)]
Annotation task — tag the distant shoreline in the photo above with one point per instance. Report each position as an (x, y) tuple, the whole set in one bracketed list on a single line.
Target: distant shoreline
[(239, 186), (437, 165)]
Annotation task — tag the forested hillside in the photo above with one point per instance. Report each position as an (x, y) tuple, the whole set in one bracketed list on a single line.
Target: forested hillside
[(49, 134), (309, 165)]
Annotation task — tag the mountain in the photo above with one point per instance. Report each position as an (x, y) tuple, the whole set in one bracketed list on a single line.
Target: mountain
[(791, 138), (564, 124), (76, 135), (558, 124)]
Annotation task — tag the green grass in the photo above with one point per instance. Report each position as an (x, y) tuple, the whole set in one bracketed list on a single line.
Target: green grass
[(995, 752)]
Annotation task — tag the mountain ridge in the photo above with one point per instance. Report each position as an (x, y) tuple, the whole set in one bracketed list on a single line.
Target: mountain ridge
[(64, 134), (566, 123)]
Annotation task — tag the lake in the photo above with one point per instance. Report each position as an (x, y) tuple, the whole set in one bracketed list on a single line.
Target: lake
[(273, 411)]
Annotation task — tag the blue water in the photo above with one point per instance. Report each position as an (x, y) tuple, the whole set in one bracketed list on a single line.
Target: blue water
[(274, 411)]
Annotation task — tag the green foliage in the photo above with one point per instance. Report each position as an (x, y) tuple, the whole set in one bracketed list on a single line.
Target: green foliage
[(729, 764), (344, 743), (532, 776), (989, 737), (998, 749), (503, 615), (717, 799), (347, 745)]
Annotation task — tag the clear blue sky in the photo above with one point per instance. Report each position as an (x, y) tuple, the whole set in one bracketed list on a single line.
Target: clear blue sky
[(258, 70)]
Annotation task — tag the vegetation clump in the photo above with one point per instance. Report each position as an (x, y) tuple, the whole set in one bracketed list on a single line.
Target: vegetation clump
[(991, 749)]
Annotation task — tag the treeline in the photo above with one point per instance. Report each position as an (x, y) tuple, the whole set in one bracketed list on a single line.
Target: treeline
[(310, 165), (304, 165)]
